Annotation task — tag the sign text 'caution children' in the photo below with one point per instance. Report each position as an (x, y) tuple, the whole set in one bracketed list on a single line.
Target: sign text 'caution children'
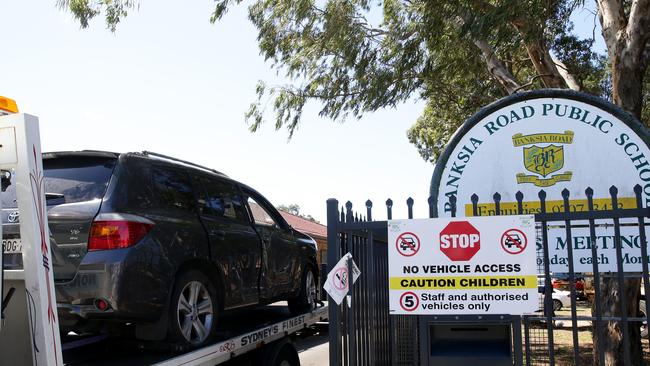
[(473, 265)]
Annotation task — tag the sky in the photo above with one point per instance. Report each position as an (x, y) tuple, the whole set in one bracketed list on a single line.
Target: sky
[(168, 81)]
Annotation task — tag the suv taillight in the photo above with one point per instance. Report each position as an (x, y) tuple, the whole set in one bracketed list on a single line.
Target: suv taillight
[(116, 234)]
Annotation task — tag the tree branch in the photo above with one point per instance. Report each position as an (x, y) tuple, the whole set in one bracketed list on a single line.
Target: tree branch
[(532, 80), (496, 68), (566, 75), (612, 20), (638, 28)]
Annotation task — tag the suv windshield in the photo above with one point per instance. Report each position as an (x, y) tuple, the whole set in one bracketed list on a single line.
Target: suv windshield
[(70, 179)]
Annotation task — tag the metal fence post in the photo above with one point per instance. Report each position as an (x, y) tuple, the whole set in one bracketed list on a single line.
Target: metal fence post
[(333, 256)]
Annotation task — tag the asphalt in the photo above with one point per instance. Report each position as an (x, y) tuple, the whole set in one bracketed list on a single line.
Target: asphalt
[(314, 350)]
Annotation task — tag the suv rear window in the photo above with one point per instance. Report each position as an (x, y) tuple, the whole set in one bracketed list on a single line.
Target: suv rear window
[(74, 178)]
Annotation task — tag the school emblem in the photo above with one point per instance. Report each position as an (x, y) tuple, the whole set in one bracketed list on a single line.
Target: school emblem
[(543, 156)]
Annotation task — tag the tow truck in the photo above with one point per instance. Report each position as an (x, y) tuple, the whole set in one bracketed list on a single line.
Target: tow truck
[(29, 330)]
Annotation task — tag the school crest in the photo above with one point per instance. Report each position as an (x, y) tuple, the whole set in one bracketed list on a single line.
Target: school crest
[(543, 156)]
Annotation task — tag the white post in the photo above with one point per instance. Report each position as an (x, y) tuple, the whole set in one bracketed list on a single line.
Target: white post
[(21, 150)]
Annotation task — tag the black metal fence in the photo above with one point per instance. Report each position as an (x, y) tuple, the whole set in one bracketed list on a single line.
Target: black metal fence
[(365, 333)]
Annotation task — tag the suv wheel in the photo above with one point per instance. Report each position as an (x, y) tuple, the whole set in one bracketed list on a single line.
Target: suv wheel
[(306, 300), (193, 310)]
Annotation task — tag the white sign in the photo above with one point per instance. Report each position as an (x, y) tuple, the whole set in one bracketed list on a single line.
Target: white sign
[(605, 246), (337, 282), (551, 140), (478, 265)]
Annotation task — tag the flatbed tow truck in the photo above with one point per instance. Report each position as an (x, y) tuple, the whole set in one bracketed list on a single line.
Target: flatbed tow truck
[(29, 331), (263, 336)]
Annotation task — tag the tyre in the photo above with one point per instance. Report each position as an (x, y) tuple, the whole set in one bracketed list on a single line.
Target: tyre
[(280, 353), (557, 304), (193, 310), (644, 324), (306, 300)]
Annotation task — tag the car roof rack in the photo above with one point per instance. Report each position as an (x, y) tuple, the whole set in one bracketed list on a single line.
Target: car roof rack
[(166, 157)]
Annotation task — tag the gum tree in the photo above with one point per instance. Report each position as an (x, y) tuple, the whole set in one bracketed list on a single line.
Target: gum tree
[(356, 56)]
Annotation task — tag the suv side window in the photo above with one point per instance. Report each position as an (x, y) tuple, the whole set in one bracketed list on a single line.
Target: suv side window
[(260, 215), (173, 188), (222, 199)]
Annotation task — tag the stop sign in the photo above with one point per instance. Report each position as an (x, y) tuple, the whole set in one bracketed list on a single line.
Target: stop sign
[(460, 241)]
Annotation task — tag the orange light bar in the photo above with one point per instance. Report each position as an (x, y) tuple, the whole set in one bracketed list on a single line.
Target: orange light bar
[(8, 105)]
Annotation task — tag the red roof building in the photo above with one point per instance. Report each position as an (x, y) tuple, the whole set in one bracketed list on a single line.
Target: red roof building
[(317, 231)]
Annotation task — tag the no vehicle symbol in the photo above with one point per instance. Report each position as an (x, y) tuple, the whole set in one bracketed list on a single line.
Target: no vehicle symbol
[(407, 244), (514, 241), (409, 301), (341, 279)]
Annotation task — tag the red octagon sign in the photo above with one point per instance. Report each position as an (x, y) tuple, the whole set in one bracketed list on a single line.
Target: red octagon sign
[(460, 241)]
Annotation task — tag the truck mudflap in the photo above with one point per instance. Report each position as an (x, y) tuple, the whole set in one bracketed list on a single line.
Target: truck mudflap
[(241, 344)]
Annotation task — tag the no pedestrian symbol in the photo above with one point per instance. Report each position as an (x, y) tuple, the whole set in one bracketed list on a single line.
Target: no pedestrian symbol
[(409, 301), (514, 241), (407, 244)]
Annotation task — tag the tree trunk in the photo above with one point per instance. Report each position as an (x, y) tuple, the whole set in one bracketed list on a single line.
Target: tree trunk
[(612, 342), (627, 78), (626, 37), (543, 62), (539, 54)]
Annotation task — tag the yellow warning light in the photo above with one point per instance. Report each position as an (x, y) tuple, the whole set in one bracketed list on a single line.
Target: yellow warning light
[(8, 105)]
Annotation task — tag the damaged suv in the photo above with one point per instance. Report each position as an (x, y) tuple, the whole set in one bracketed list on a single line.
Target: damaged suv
[(161, 243)]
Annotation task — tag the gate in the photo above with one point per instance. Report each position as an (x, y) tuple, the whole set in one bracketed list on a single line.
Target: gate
[(365, 334)]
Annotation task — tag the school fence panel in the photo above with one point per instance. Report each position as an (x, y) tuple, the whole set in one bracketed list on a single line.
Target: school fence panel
[(606, 238)]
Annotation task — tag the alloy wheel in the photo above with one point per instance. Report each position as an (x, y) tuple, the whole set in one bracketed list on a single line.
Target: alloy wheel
[(195, 312)]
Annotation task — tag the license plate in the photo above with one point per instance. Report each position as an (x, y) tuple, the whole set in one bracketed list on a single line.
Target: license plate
[(12, 245)]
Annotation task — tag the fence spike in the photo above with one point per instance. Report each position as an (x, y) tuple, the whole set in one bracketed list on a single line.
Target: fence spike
[(348, 214), (369, 210), (589, 192), (565, 193), (497, 203), (389, 209), (519, 196), (613, 191), (542, 200), (452, 203), (565, 200), (409, 204), (520, 202), (474, 199)]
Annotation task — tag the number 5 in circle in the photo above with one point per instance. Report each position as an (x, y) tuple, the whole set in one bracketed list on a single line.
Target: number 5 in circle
[(409, 301)]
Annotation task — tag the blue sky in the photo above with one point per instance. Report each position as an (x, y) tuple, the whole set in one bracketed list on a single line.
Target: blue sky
[(169, 81)]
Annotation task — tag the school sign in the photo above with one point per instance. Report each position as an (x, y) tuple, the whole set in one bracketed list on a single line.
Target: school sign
[(550, 140)]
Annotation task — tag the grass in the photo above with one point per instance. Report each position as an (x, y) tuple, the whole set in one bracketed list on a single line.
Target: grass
[(563, 340)]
